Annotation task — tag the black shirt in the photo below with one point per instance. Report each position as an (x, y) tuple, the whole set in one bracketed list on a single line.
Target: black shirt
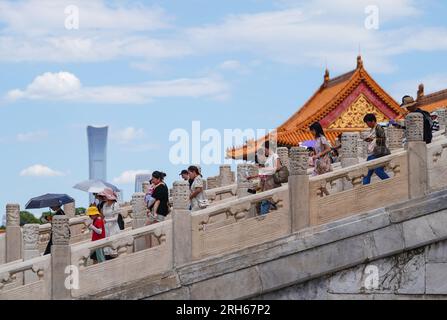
[(161, 193), (428, 124), (59, 212)]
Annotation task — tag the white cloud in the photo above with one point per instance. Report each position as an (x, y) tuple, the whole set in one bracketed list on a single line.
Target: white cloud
[(32, 136), (311, 32), (34, 30), (39, 170), (48, 16), (127, 135), (64, 86), (297, 33), (128, 177)]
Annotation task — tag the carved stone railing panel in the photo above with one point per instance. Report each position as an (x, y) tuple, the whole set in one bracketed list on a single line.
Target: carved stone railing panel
[(218, 194), (128, 266), (437, 163), (11, 272), (328, 203), (228, 226), (122, 242)]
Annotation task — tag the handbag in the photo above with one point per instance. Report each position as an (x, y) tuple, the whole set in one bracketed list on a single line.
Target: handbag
[(120, 221), (282, 175)]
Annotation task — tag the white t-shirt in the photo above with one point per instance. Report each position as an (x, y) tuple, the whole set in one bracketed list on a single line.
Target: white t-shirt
[(269, 168)]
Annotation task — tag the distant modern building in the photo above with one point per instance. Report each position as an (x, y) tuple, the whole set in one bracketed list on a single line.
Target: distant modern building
[(139, 179), (97, 153)]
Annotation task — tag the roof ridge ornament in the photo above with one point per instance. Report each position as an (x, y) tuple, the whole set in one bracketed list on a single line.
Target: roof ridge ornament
[(359, 62), (327, 77), (420, 91)]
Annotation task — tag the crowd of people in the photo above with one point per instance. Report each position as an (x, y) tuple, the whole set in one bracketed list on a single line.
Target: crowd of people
[(107, 220), (324, 154)]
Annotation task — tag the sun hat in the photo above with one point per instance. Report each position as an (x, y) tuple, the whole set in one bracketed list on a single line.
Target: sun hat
[(92, 211), (408, 101), (108, 194)]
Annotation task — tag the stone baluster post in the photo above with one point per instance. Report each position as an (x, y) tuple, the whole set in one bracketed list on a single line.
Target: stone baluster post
[(139, 218), (182, 223), (283, 153), (394, 137), (13, 233), (30, 248), (349, 152), (225, 175), (442, 119), (299, 189), (61, 259), (417, 155), (243, 171), (70, 209), (362, 145)]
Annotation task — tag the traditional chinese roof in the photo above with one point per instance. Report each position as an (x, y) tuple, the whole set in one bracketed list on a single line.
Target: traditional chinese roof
[(432, 101), (338, 105)]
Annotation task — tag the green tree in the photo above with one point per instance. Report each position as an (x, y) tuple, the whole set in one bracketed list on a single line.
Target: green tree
[(44, 216), (27, 218), (80, 211)]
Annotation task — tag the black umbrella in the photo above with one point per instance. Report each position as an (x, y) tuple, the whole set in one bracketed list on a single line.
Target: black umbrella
[(49, 200)]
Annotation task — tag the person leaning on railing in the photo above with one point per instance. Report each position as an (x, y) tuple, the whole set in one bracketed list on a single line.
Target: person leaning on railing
[(271, 166)]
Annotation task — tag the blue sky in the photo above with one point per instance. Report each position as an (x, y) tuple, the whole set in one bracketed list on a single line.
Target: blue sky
[(145, 68)]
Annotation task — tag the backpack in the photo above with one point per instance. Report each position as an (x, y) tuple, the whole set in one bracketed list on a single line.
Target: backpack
[(428, 127), (120, 221)]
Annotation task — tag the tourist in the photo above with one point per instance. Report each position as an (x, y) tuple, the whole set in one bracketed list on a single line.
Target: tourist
[(376, 147), (311, 152), (185, 175), (197, 197), (100, 201), (335, 156), (160, 207), (335, 153), (413, 106), (271, 165), (98, 233), (148, 189), (110, 212), (57, 212), (434, 117), (322, 159)]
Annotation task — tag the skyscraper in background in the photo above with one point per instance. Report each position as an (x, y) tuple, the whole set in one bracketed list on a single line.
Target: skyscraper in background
[(97, 153), (139, 179)]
